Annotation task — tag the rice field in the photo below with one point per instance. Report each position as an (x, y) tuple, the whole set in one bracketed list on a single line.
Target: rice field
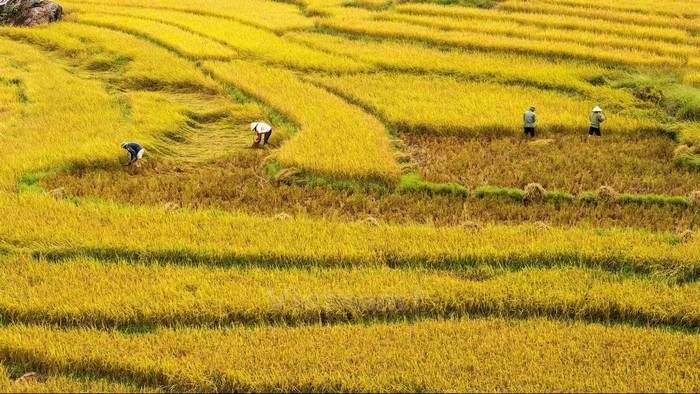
[(399, 233)]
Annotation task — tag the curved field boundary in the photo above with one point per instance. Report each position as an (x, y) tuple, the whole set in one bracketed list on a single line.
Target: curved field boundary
[(411, 104), (672, 8), (178, 40), (271, 15), (407, 57), (564, 36), (366, 25), (578, 23), (250, 41), (598, 13), (77, 116), (145, 60), (336, 138)]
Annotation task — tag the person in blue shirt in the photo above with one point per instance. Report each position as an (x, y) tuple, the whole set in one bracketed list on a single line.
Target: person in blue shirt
[(135, 150)]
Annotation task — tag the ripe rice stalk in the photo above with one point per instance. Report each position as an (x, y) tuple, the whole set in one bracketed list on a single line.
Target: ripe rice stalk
[(266, 357)]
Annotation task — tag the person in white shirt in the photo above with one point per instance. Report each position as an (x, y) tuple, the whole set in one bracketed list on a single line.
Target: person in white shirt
[(261, 129)]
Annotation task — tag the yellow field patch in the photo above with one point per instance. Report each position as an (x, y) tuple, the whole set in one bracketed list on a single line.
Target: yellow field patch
[(336, 138), (460, 355), (184, 42), (673, 8), (33, 382), (271, 15), (446, 105), (143, 61), (250, 41), (210, 235), (580, 24), (485, 41), (395, 235), (598, 13), (501, 67), (169, 294), (79, 118), (596, 41)]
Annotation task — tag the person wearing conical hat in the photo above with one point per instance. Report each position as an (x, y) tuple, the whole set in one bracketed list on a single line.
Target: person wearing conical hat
[(261, 129), (529, 120), (135, 151), (596, 118)]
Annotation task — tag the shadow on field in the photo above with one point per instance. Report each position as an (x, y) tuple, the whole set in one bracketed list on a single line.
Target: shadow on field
[(672, 271)]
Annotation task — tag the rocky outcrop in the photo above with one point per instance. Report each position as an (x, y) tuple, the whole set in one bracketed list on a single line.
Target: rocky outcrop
[(29, 12)]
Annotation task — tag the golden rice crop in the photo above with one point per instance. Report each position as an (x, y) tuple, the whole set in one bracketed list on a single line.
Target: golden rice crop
[(377, 4), (12, 94), (564, 21), (146, 61), (336, 138), (690, 134), (80, 119), (198, 273), (190, 127), (692, 79), (484, 41), (61, 383), (156, 112), (183, 42), (503, 67), (447, 105), (111, 295), (256, 42), (271, 15), (460, 355), (108, 230), (601, 14), (52, 40), (149, 116), (596, 41), (86, 122), (675, 8)]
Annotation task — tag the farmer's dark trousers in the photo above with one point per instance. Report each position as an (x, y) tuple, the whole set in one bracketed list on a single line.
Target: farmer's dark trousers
[(267, 137), (594, 130), (530, 131)]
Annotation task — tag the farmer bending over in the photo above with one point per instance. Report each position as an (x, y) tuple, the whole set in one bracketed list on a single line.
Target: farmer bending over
[(135, 150), (261, 129)]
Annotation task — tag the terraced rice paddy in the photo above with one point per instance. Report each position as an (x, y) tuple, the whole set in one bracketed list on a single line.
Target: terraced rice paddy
[(391, 237)]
